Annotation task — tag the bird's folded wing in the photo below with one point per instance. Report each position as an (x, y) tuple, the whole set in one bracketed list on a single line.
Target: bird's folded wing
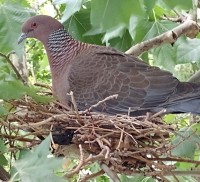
[(98, 74)]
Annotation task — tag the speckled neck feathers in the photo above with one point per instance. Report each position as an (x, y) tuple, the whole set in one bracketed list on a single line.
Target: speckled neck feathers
[(62, 48)]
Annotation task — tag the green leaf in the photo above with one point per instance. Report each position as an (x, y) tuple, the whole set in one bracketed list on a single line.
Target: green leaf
[(141, 29), (169, 118), (165, 57), (32, 92), (23, 3), (196, 128), (122, 43), (159, 27), (3, 147), (12, 17), (72, 6), (14, 89), (182, 4), (3, 110), (184, 165), (185, 143), (3, 160), (149, 5), (79, 25), (109, 14), (113, 33), (38, 166), (188, 50), (11, 90)]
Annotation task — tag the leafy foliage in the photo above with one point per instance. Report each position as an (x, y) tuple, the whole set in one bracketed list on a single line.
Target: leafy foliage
[(186, 143), (12, 16), (116, 23), (37, 165)]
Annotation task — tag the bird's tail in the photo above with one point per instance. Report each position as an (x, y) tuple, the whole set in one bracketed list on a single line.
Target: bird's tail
[(185, 100)]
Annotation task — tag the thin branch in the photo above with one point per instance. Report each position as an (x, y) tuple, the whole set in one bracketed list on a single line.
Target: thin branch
[(110, 173), (19, 138), (56, 9), (175, 160), (48, 120), (91, 176), (12, 66), (188, 28), (177, 173), (78, 167), (43, 85), (102, 101)]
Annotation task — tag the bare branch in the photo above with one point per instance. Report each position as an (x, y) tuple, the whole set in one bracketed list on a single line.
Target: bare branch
[(87, 177), (110, 173), (189, 28), (102, 101)]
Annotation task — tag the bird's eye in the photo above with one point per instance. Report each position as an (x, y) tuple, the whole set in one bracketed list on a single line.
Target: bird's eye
[(33, 25)]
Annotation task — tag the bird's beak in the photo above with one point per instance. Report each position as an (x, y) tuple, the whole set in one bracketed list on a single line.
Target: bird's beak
[(22, 37)]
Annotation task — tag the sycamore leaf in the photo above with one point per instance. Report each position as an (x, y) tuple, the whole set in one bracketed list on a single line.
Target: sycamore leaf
[(165, 57), (72, 6), (38, 166), (12, 17), (183, 4), (185, 143), (109, 14), (188, 50), (113, 33), (79, 27), (14, 89)]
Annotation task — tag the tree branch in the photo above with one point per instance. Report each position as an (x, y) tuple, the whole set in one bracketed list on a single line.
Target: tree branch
[(6, 57), (189, 28)]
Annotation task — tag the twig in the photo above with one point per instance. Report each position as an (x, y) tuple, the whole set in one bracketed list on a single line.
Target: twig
[(177, 173), (106, 148), (88, 177), (120, 140), (83, 162), (43, 85), (78, 167), (188, 28), (102, 101), (158, 113), (19, 138), (110, 173), (13, 67), (56, 9), (48, 120), (175, 160), (75, 108)]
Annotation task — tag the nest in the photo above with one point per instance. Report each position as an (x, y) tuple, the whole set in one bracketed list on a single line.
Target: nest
[(124, 144)]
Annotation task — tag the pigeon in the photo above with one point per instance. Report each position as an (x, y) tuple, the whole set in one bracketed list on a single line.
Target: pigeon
[(95, 74)]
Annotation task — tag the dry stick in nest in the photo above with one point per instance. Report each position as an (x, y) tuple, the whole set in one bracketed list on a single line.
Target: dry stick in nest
[(91, 176), (83, 162), (123, 124)]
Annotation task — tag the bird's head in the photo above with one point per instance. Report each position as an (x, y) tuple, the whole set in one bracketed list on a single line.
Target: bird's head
[(39, 27)]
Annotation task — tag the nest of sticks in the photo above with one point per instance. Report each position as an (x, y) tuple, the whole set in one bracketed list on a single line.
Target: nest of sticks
[(124, 144)]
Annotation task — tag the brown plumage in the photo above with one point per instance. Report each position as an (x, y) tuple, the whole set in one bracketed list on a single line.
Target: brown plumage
[(95, 72)]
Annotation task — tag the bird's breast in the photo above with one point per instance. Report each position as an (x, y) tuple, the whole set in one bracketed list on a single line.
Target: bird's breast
[(60, 85)]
